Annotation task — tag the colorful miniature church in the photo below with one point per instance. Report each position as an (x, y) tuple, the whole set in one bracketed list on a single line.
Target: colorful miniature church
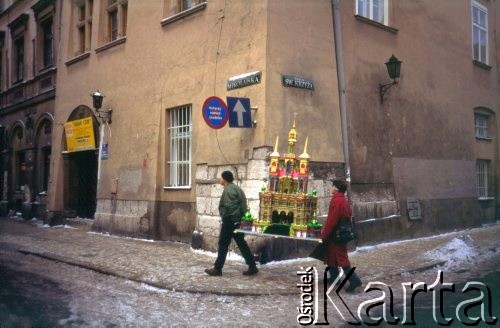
[(285, 202)]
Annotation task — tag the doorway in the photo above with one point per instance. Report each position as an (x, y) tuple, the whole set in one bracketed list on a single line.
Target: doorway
[(81, 186), (81, 165)]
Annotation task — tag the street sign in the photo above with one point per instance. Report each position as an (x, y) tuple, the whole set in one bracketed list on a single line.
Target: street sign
[(240, 115), (215, 112)]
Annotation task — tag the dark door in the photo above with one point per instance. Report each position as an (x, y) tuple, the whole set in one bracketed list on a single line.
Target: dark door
[(82, 183)]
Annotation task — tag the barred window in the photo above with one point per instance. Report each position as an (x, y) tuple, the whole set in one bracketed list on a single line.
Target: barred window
[(482, 178), (179, 136)]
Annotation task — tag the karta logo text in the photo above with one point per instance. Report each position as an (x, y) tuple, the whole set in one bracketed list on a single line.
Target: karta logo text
[(377, 307)]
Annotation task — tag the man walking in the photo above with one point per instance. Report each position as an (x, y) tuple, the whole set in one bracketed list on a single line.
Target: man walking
[(232, 207)]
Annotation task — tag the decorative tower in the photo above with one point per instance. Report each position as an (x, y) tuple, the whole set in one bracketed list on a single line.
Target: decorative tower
[(304, 169), (286, 203), (292, 139), (274, 167)]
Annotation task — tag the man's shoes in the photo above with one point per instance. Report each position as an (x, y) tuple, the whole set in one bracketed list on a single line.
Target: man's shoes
[(213, 272), (353, 285), (251, 271)]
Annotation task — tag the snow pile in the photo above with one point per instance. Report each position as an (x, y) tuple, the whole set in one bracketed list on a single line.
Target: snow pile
[(231, 255), (457, 253)]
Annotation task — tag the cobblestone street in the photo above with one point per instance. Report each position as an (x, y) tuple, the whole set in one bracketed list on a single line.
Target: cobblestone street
[(89, 279)]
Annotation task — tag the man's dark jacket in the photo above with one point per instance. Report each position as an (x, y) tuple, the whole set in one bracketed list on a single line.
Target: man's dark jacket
[(233, 203)]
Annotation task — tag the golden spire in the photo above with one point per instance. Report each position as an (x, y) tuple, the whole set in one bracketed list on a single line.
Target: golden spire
[(275, 152), (305, 154), (292, 138)]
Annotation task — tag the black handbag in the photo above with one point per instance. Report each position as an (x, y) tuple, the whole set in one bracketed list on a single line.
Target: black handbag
[(344, 232)]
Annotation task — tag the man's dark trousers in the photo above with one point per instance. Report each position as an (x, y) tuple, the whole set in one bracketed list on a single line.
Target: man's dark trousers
[(226, 233)]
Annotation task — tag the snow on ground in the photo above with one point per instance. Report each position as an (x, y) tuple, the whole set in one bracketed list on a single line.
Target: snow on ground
[(456, 252), (231, 256)]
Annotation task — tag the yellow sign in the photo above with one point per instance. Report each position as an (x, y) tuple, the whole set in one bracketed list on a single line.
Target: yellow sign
[(79, 135)]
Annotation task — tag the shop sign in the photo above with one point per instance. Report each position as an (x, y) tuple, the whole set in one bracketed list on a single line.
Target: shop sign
[(297, 82), (79, 135), (244, 80)]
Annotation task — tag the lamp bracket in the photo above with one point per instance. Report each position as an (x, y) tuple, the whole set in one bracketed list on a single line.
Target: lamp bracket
[(383, 88)]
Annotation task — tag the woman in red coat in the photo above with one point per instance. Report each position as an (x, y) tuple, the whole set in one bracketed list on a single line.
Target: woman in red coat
[(336, 254)]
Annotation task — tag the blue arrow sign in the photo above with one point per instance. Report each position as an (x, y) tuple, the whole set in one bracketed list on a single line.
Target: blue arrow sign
[(240, 115)]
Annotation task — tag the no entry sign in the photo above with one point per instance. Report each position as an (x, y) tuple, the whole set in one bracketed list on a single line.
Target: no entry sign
[(215, 112)]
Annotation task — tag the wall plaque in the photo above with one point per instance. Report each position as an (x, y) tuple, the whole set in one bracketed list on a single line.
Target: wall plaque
[(297, 82)]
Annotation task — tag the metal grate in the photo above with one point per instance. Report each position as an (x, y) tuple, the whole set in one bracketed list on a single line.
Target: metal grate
[(179, 164), (482, 178)]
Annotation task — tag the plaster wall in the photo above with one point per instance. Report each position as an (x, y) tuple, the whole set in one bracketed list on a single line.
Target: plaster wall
[(184, 62)]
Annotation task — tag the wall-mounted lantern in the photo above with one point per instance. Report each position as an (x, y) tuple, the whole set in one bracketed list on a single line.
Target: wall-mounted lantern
[(394, 70), (105, 115)]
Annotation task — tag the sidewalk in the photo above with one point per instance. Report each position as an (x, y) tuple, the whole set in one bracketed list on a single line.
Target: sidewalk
[(176, 267)]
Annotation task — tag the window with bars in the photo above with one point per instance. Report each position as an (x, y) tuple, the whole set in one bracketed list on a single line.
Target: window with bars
[(375, 10), (179, 137), (482, 178), (479, 32), (481, 125)]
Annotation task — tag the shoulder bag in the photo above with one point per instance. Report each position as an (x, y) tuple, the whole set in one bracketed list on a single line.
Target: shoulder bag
[(344, 232)]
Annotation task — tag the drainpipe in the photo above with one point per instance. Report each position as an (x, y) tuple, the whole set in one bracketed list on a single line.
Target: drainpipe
[(339, 57)]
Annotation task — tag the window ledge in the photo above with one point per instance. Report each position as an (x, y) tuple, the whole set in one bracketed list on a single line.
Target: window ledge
[(47, 69), (481, 65), (78, 58), (484, 138), (485, 198), (176, 188), (376, 24), (111, 44), (183, 14)]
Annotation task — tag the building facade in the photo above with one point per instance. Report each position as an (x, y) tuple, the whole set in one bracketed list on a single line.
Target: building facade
[(28, 38), (421, 160)]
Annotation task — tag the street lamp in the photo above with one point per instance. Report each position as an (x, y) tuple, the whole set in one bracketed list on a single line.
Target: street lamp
[(394, 70), (105, 115)]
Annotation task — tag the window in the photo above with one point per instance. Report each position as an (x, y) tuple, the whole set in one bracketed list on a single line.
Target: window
[(84, 10), (375, 10), (19, 59), (179, 136), (173, 7), (479, 32), (482, 178), (481, 124), (47, 39), (117, 19)]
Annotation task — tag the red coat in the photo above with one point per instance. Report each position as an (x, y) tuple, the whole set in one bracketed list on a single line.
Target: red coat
[(336, 255)]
